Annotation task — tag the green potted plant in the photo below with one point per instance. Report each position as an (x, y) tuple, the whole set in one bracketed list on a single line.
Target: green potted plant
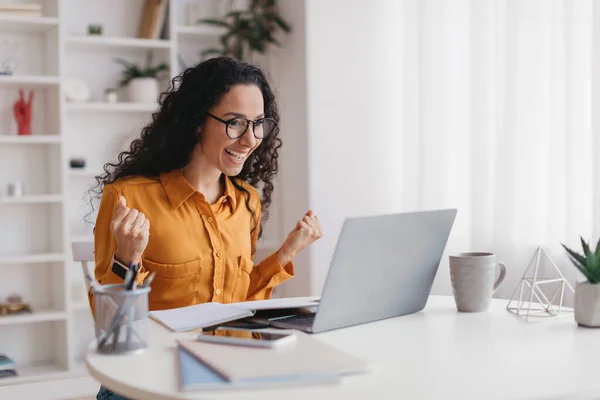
[(141, 82), (587, 293), (247, 31)]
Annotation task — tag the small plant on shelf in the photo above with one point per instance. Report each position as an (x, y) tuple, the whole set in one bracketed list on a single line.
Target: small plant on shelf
[(141, 82), (132, 71)]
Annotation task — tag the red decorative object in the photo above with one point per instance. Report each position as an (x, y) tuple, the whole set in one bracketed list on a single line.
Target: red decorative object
[(22, 111)]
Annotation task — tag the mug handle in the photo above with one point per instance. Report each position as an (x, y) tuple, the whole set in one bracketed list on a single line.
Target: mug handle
[(501, 276)]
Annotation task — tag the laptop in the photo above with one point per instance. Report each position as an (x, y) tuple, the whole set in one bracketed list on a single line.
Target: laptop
[(383, 267)]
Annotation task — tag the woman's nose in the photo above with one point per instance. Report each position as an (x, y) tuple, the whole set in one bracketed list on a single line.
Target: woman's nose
[(248, 139)]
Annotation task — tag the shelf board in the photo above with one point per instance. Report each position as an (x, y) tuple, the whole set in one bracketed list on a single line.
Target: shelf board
[(116, 42), (116, 107), (30, 139), (30, 318), (29, 81), (200, 30), (10, 23), (33, 258), (84, 172), (32, 199), (36, 373)]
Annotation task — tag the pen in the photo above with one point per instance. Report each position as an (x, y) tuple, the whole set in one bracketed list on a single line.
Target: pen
[(132, 286), (129, 277)]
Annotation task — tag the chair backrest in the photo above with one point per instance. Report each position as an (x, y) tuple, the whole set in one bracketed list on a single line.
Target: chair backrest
[(83, 252)]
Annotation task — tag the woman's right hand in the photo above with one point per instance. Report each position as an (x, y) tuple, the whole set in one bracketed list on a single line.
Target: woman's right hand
[(131, 231)]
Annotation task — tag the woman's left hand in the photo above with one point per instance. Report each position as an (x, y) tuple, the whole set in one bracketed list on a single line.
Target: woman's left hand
[(307, 230)]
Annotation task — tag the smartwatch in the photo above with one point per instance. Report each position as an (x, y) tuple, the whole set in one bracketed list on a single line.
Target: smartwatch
[(119, 268)]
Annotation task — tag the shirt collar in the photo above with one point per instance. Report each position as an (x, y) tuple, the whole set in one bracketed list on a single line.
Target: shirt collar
[(178, 189), (230, 192)]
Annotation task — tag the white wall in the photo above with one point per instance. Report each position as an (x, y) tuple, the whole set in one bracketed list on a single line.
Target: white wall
[(353, 76), (288, 70)]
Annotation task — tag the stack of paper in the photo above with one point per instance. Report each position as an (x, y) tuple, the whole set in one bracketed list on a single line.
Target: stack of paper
[(206, 365), (199, 316), (211, 314), (195, 375)]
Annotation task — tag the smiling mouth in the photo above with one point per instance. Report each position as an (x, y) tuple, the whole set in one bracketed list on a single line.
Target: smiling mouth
[(235, 155)]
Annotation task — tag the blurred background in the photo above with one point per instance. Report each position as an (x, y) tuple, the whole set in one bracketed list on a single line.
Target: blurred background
[(487, 106)]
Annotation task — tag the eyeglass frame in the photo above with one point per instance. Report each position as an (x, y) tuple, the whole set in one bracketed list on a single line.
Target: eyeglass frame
[(248, 121)]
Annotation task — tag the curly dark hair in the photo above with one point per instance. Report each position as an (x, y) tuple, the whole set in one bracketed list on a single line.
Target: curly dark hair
[(167, 142)]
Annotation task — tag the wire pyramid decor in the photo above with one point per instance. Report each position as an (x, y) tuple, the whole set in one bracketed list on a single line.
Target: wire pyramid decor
[(530, 303)]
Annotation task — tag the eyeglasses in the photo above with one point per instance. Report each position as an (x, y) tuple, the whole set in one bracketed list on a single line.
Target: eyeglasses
[(237, 127)]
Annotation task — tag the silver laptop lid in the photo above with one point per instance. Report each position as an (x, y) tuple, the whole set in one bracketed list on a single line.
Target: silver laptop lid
[(383, 267)]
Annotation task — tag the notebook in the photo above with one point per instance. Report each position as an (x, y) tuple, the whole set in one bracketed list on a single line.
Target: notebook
[(212, 314), (307, 356), (194, 375), (199, 316)]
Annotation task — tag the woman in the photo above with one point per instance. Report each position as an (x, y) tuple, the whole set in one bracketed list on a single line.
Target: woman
[(182, 203)]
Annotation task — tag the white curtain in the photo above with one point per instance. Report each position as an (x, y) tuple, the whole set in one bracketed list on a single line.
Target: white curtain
[(498, 104)]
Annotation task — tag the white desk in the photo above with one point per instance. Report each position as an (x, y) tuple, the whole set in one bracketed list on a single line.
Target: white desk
[(434, 354)]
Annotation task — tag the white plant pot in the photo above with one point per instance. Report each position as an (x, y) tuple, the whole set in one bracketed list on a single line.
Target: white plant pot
[(587, 304), (143, 90)]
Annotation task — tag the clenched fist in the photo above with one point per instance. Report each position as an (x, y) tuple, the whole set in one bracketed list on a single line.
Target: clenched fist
[(306, 231), (131, 230)]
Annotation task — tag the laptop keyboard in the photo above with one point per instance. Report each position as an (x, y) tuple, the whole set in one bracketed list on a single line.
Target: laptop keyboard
[(301, 320)]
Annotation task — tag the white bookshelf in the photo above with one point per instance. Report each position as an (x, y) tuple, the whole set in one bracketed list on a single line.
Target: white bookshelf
[(85, 172), (118, 42), (37, 316), (29, 81), (37, 229), (98, 106), (199, 31), (35, 199), (30, 140), (27, 24), (42, 372)]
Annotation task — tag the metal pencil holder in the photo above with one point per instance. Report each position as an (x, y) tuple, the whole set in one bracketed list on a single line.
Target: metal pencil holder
[(121, 319)]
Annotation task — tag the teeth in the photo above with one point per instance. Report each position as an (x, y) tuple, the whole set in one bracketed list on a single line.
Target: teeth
[(235, 154)]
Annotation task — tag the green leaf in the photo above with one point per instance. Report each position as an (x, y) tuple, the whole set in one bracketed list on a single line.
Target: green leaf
[(282, 24), (215, 22), (581, 268), (576, 256), (586, 247), (597, 252), (239, 53), (593, 264)]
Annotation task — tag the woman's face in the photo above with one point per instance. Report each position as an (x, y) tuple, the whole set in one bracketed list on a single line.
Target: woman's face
[(226, 154)]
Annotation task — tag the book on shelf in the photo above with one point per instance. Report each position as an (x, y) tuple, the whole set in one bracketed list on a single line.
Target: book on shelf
[(154, 18), (7, 373), (7, 367)]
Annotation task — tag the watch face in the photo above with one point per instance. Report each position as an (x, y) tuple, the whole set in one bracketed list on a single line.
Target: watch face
[(119, 270)]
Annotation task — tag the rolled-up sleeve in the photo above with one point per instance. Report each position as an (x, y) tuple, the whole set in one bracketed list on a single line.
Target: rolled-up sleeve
[(267, 274)]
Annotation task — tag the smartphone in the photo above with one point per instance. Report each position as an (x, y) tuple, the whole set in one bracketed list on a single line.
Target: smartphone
[(247, 337)]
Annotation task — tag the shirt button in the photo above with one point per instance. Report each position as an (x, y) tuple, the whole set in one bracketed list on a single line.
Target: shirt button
[(218, 254), (276, 278), (218, 292), (209, 219)]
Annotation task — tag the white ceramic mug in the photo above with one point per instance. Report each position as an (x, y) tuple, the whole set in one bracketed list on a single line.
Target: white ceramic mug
[(473, 277)]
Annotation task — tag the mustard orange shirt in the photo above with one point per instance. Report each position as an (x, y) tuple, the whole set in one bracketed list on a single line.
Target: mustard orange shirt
[(200, 252)]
